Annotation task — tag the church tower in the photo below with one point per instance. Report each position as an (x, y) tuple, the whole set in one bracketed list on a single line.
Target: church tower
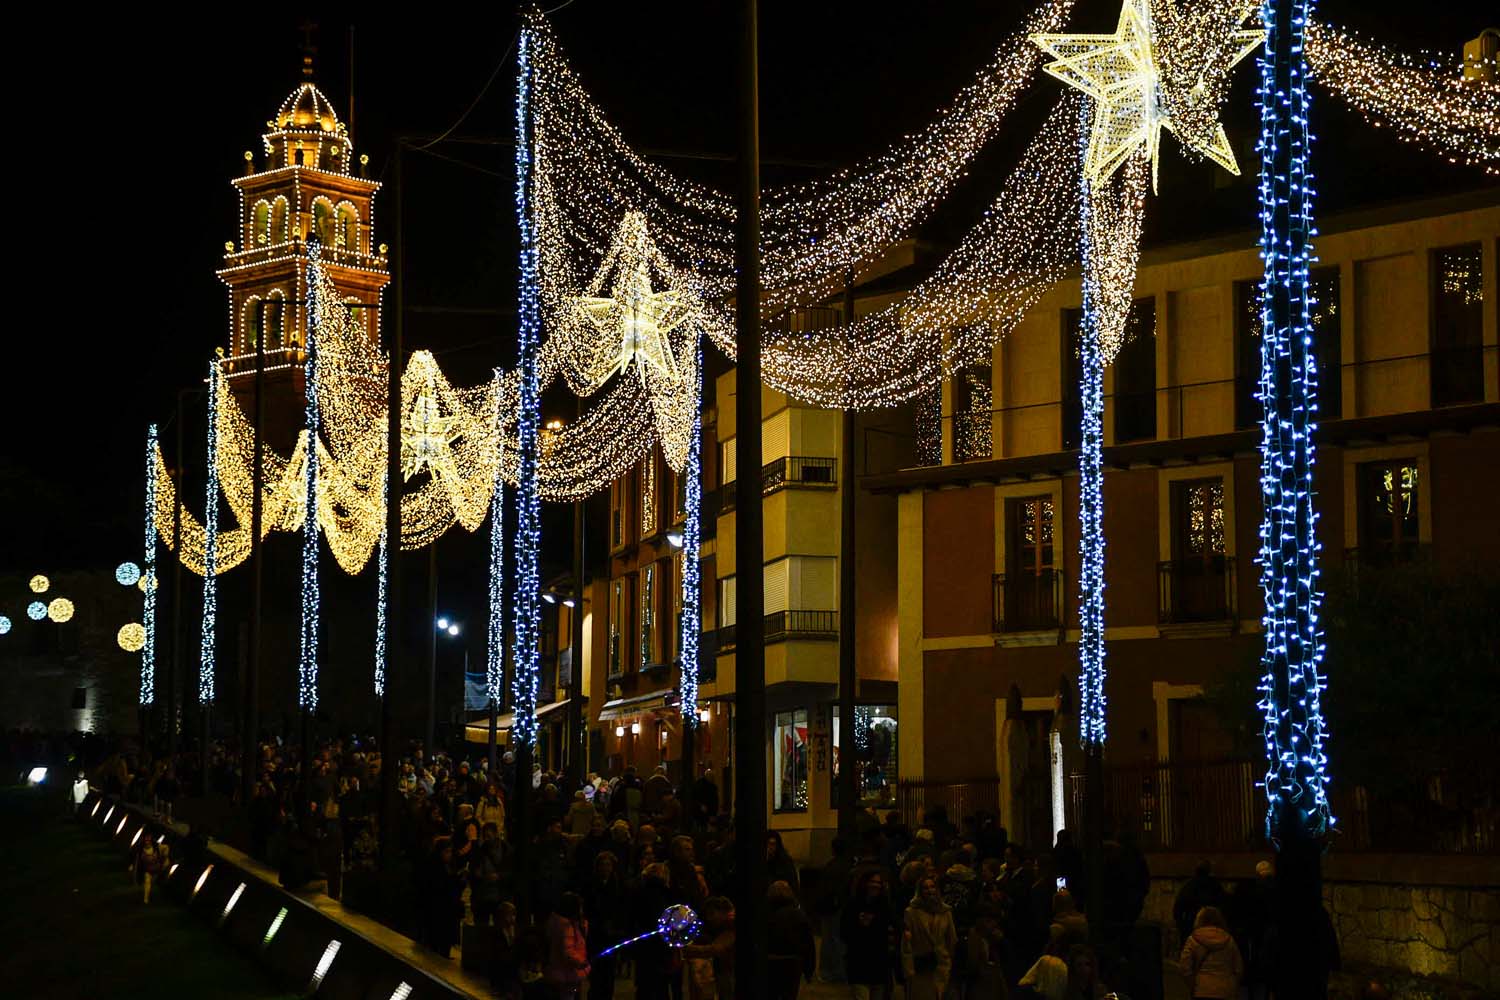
[(304, 183)]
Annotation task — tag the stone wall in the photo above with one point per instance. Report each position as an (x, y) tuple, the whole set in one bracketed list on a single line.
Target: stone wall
[(1421, 941)]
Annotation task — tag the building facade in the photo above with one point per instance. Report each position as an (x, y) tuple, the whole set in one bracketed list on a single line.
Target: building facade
[(1408, 459)]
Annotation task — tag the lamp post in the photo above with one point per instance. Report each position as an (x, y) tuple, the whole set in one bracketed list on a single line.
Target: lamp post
[(443, 625)]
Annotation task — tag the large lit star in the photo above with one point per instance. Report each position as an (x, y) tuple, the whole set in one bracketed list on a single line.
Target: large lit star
[(1138, 87), (634, 319), (425, 438)]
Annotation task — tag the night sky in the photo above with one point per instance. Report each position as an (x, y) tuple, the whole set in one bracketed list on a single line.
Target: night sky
[(126, 142)]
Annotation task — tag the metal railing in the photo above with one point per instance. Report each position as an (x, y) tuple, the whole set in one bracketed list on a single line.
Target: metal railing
[(781, 626), (1196, 590), (797, 471), (1029, 601)]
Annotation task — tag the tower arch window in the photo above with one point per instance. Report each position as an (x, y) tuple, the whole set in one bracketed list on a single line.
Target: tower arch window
[(357, 314), (260, 224), (279, 214), (274, 321), (323, 222), (348, 226), (251, 324)]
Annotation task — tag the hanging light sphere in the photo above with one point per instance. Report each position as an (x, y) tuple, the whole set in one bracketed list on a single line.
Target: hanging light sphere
[(132, 637), (127, 573), (678, 925), (36, 611), (60, 610), (147, 582), (4, 625), (39, 584)]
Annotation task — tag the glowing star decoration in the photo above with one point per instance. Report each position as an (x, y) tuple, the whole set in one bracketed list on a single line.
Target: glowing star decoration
[(131, 637), (127, 574), (60, 610), (634, 319), (39, 584), (36, 611), (425, 436), (1149, 76)]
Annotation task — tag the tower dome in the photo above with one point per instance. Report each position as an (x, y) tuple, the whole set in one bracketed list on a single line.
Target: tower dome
[(307, 108)]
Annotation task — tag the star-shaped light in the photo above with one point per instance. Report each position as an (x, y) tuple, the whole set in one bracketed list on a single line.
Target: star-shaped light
[(634, 318), (1140, 87), (425, 437)]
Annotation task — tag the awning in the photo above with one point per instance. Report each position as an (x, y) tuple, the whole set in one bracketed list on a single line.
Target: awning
[(555, 706), (479, 732), (621, 708)]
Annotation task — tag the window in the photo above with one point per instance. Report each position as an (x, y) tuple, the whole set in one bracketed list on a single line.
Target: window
[(348, 229), (729, 455), (616, 619), (357, 315), (275, 321), (648, 496), (1458, 325), (973, 409), (1389, 528), (789, 777), (929, 427), (617, 493), (1323, 288), (323, 222), (260, 226), (1031, 596), (875, 755), (1135, 375), (253, 307), (650, 653), (1195, 585), (278, 221), (1072, 376), (726, 602)]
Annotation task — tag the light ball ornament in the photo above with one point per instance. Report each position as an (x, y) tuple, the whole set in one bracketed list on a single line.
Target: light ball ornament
[(127, 573), (4, 625), (39, 584), (678, 925), (147, 582), (131, 637), (60, 610), (36, 611)]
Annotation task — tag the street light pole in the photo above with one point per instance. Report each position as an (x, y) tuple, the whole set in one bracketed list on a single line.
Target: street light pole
[(432, 588)]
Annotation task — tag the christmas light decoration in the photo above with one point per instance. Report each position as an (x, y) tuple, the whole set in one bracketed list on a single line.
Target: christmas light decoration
[(307, 659), (691, 620), (380, 627), (494, 663), (147, 645), (527, 605), (36, 610), (60, 610), (128, 573), (1424, 100), (39, 584), (678, 925), (4, 625), (209, 633), (1291, 686), (132, 639), (1149, 75)]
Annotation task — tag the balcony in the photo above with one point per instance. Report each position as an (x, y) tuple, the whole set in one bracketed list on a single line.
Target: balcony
[(782, 626), (1196, 591), (1370, 562), (1029, 601), (792, 472)]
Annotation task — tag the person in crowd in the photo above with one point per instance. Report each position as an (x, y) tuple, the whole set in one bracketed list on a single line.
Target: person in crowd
[(705, 799), (779, 864), (928, 943), (581, 815), (827, 905), (656, 964), (1068, 923), (1199, 891), (606, 908), (869, 932), (686, 881), (989, 959), (791, 953), (490, 808), (1083, 974), (718, 948), (594, 843), (1048, 976), (1211, 961), (567, 948), (151, 867), (657, 786), (485, 895), (444, 899)]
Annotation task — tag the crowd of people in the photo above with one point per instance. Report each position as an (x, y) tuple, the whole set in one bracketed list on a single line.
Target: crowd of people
[(936, 911)]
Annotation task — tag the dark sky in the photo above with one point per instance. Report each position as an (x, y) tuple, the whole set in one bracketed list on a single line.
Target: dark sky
[(134, 127)]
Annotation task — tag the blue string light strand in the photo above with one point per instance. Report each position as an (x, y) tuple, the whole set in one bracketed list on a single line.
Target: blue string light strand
[(692, 530), (209, 635), (527, 600), (494, 673), (1291, 683), (1091, 670), (307, 660), (148, 614), (380, 599)]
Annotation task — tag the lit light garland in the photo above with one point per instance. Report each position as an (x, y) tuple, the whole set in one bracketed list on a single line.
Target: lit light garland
[(148, 614), (381, 585), (5, 625), (39, 584), (60, 610), (527, 603), (692, 588), (128, 573), (1424, 100), (36, 610), (307, 659), (132, 639), (494, 650), (1291, 686), (210, 629)]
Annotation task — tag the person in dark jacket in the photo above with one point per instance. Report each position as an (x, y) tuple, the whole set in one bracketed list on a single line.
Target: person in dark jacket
[(779, 864), (444, 899), (1199, 891), (484, 876), (505, 955), (705, 799), (656, 964), (869, 929), (791, 954), (606, 910), (832, 893)]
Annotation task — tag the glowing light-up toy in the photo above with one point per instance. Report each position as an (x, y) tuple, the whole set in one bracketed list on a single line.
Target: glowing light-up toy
[(677, 926)]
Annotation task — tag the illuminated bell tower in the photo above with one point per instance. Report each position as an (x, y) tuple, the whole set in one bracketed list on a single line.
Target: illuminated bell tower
[(304, 184)]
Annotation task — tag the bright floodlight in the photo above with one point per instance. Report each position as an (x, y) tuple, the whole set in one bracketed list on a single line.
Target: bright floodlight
[(37, 775), (442, 623), (127, 573), (674, 538), (453, 630), (549, 597), (569, 602)]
